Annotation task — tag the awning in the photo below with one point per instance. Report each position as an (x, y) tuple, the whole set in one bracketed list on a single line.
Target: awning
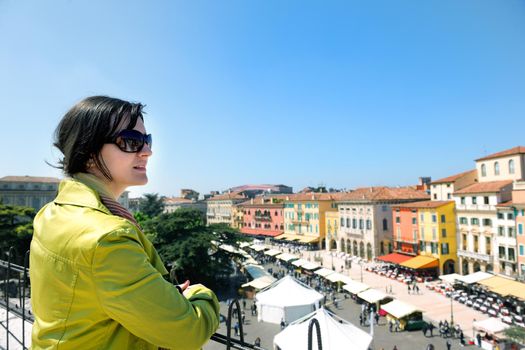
[(310, 266), (395, 258), (299, 262), (450, 278), (309, 239), (324, 272), (515, 289), (474, 277), (354, 287), (272, 252), (283, 236), (335, 277), (399, 309), (495, 282), (421, 262), (372, 296), (260, 283), (244, 244), (287, 257)]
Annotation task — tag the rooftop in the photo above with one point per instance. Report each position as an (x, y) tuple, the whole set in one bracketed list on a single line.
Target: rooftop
[(423, 204), (453, 178), (485, 187), (30, 179), (384, 194), (509, 152)]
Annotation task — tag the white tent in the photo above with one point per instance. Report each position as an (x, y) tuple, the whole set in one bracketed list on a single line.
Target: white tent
[(272, 252), (336, 334), (299, 262), (474, 277), (310, 266), (324, 272), (287, 257), (260, 283), (288, 299), (491, 326), (258, 247), (399, 309), (355, 287), (373, 296), (450, 278)]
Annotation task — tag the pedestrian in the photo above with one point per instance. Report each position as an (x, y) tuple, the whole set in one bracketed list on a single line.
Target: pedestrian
[(398, 326), (461, 338), (257, 341), (425, 329), (377, 317), (478, 338), (361, 319), (449, 344), (86, 243), (408, 285), (244, 303), (283, 324), (391, 289), (430, 347), (236, 328), (395, 347), (243, 316), (431, 328), (390, 325)]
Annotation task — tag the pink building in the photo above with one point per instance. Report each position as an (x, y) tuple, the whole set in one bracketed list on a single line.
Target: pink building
[(263, 216)]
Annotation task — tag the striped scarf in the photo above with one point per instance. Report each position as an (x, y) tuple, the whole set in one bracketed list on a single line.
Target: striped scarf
[(117, 209)]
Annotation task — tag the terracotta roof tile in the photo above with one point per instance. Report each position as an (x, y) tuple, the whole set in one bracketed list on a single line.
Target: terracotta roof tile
[(453, 178), (175, 200), (515, 150), (505, 204), (423, 204), (332, 196), (30, 179), (485, 187), (226, 196), (384, 194)]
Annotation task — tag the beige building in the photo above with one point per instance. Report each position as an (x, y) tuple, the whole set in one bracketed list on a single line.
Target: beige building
[(443, 189), (486, 222), (365, 215), (220, 208), (188, 199), (28, 191)]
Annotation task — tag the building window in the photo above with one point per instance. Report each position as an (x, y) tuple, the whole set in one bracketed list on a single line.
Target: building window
[(501, 251), (483, 170), (435, 196), (512, 257), (463, 200), (414, 221), (463, 221), (422, 217), (500, 216), (444, 248), (354, 223), (511, 166), (443, 219), (434, 234), (487, 222), (487, 246), (342, 222), (449, 196), (510, 216), (398, 219), (434, 218), (361, 224), (520, 229), (474, 200), (474, 221), (496, 168), (368, 224), (501, 230), (511, 232), (348, 222), (385, 225), (522, 250), (414, 235), (444, 232), (384, 208), (486, 200)]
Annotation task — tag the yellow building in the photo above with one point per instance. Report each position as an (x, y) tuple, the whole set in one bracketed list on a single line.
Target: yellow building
[(333, 238), (305, 217), (437, 233)]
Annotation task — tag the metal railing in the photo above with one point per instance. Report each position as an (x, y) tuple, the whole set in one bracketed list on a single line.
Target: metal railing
[(16, 283)]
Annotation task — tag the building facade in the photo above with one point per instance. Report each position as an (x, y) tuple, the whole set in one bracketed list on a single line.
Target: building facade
[(443, 189), (365, 216), (262, 216), (219, 208), (28, 191)]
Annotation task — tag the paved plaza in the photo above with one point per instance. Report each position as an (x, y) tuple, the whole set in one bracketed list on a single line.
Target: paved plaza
[(434, 306)]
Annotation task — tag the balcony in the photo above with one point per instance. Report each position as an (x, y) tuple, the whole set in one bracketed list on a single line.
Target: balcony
[(477, 256), (267, 218), (476, 207)]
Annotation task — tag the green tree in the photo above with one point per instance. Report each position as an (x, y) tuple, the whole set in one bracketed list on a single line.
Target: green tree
[(516, 334), (151, 205), (190, 248), (16, 229)]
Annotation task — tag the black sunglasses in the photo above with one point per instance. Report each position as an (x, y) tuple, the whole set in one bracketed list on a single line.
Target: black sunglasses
[(131, 141)]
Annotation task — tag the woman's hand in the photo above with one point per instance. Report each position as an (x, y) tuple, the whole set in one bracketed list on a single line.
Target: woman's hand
[(184, 286)]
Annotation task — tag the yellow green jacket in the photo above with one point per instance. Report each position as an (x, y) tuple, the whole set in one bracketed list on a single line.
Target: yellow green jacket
[(97, 282)]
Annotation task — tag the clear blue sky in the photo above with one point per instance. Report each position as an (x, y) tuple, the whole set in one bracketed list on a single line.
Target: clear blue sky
[(344, 93)]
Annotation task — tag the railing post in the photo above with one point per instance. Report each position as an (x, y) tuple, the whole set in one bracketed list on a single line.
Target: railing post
[(10, 255), (314, 322), (229, 320), (26, 265)]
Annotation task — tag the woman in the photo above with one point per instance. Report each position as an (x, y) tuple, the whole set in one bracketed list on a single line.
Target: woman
[(97, 281)]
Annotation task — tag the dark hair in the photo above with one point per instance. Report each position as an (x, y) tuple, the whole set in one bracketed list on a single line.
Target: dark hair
[(87, 126)]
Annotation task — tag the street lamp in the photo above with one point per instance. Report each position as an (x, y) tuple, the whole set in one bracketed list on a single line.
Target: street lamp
[(451, 312), (473, 333), (361, 264)]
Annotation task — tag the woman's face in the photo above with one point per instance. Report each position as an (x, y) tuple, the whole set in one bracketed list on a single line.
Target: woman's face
[(126, 169)]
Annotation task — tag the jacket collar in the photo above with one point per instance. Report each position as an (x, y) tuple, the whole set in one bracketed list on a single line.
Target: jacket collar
[(83, 191)]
